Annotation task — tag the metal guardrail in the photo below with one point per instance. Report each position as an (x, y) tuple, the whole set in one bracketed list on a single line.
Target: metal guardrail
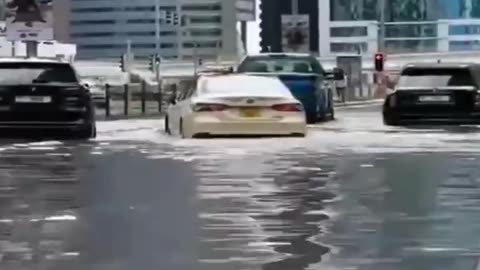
[(131, 100)]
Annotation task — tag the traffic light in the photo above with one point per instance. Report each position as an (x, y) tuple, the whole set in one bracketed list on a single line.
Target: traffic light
[(176, 19), (200, 61), (168, 17), (154, 62), (379, 62), (172, 18), (122, 62), (151, 63)]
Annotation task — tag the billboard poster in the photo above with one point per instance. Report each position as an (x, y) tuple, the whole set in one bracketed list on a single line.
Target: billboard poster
[(29, 20), (296, 33)]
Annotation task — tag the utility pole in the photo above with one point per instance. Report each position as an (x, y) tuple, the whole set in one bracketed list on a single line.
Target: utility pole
[(129, 57), (381, 26), (195, 59), (294, 7), (129, 47), (157, 27)]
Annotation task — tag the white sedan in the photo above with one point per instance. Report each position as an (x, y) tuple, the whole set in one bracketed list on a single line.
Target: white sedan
[(235, 105)]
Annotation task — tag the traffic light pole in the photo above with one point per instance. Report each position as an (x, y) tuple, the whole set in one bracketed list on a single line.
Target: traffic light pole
[(294, 7), (32, 48), (381, 26), (157, 26), (159, 86)]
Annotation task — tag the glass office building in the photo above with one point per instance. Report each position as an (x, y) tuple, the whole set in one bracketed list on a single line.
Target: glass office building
[(102, 28), (405, 10), (411, 25)]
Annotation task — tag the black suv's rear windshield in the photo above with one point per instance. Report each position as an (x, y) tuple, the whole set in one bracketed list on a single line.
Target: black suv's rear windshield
[(28, 73), (280, 64), (436, 77)]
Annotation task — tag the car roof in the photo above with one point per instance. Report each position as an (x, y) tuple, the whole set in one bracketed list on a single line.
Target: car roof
[(441, 65), (281, 54), (237, 83), (31, 60)]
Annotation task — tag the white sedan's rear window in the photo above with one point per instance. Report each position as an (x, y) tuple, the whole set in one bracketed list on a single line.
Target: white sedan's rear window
[(244, 85)]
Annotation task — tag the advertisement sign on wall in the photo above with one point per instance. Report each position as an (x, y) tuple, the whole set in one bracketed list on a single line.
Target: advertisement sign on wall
[(296, 33), (29, 20)]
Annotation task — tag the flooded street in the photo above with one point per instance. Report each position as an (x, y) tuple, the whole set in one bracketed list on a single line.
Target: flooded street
[(354, 194)]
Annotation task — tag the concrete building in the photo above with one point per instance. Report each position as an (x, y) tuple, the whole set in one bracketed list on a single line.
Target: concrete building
[(61, 20), (102, 28), (412, 26)]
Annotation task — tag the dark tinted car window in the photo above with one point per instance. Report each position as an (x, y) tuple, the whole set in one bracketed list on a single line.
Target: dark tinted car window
[(280, 63), (27, 73), (436, 77)]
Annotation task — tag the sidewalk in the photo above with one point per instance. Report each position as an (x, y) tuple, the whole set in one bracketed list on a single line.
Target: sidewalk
[(358, 102)]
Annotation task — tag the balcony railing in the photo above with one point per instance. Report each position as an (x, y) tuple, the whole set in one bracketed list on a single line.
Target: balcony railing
[(405, 37)]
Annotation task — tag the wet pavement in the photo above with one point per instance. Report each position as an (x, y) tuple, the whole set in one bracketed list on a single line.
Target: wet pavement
[(354, 194)]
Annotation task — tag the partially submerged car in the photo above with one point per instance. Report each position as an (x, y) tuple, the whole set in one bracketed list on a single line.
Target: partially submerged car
[(302, 74), (435, 92), (235, 105)]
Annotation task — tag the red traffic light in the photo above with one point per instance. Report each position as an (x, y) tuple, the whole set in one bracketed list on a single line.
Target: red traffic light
[(379, 61)]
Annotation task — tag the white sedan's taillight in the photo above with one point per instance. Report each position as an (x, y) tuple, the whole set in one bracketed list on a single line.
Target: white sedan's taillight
[(288, 107), (208, 107)]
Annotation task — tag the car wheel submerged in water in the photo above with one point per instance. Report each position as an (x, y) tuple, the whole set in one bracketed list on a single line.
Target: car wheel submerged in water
[(390, 120), (88, 132)]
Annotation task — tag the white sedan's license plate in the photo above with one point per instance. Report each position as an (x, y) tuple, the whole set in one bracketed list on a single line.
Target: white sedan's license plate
[(434, 98), (33, 99)]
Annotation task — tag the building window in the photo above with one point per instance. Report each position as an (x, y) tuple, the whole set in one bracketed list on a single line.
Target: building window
[(202, 44), (140, 34), (100, 46), (355, 31), (464, 30), (210, 19), (98, 34), (89, 10), (206, 32), (411, 46), (151, 8), (353, 10), (143, 46), (152, 45), (140, 21), (466, 45), (201, 7), (168, 45), (92, 22), (411, 30), (348, 47)]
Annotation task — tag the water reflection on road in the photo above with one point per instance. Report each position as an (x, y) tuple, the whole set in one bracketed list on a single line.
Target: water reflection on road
[(353, 195)]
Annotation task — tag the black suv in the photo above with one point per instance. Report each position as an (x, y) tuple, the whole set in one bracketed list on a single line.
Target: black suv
[(435, 92), (37, 94)]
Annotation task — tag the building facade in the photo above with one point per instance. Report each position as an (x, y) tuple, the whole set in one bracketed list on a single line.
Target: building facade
[(411, 26), (102, 28)]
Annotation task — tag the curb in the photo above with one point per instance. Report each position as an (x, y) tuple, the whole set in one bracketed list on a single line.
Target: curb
[(359, 103), (128, 117)]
